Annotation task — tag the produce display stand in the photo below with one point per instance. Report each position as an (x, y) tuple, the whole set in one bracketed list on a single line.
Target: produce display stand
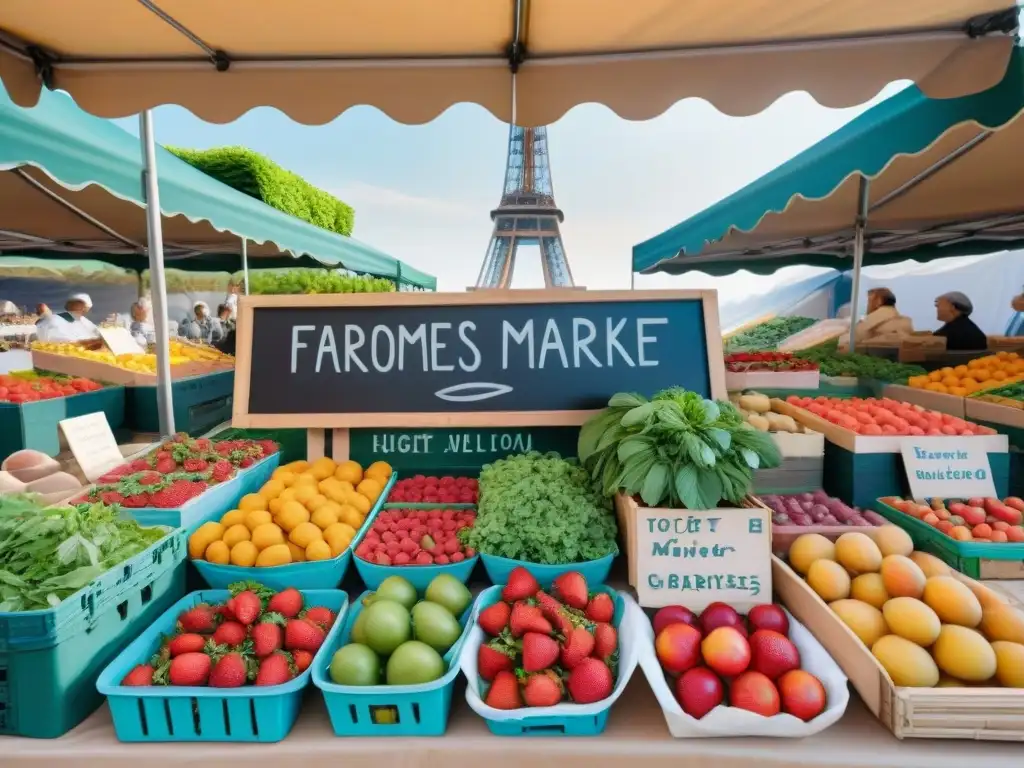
[(35, 425), (200, 402), (954, 405), (795, 380), (98, 371)]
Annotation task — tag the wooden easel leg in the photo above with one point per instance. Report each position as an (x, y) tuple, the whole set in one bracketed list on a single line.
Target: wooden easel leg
[(314, 444), (340, 445)]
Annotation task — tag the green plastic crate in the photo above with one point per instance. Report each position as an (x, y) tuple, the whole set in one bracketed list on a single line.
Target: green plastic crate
[(968, 557), (35, 425), (291, 441), (50, 660), (200, 404)]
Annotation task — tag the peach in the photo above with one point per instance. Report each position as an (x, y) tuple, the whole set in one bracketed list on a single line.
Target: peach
[(678, 648), (754, 692), (726, 651)]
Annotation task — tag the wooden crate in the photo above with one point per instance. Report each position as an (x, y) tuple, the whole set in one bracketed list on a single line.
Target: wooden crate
[(994, 413), (736, 381), (984, 714), (111, 374), (799, 445), (954, 405)]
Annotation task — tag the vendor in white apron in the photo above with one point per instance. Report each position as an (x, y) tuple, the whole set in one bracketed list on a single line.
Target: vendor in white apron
[(70, 325)]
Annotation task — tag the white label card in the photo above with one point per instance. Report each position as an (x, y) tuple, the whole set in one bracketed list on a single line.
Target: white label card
[(946, 468), (120, 341), (92, 444)]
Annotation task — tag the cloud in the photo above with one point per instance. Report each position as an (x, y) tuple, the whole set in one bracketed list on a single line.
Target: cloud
[(358, 193)]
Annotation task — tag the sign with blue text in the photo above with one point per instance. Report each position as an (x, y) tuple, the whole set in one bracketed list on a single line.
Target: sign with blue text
[(476, 359), (946, 468), (695, 558)]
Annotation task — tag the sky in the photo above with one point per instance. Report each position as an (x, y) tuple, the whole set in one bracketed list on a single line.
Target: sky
[(424, 193)]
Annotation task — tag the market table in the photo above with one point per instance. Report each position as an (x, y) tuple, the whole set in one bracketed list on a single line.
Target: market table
[(636, 732)]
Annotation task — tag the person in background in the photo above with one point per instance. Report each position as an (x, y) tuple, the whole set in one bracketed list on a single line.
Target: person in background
[(203, 327), (227, 321), (1016, 325), (139, 328), (70, 325), (962, 335), (882, 323), (231, 300), (44, 312)]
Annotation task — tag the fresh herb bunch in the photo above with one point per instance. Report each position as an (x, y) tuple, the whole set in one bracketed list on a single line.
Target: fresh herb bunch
[(832, 363), (767, 335), (676, 449), (298, 281), (541, 508), (49, 553)]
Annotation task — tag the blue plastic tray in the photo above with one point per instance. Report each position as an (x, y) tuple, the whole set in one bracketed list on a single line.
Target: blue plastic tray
[(323, 574), (548, 725), (417, 710), (166, 713), (594, 571), (417, 575), (215, 502)]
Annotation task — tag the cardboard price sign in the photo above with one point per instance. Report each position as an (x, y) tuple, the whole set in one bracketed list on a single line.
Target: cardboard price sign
[(695, 558), (478, 359), (946, 467), (92, 443)]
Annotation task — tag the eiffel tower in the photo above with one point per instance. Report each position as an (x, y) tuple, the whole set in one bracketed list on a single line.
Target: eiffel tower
[(527, 214)]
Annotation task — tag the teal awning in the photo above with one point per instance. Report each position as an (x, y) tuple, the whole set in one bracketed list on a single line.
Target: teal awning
[(945, 180), (56, 152)]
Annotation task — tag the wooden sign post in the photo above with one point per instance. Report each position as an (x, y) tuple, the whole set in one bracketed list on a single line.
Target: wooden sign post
[(470, 361)]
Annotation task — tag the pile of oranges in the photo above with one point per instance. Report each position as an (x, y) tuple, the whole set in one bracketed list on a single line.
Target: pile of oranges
[(979, 374), (305, 512)]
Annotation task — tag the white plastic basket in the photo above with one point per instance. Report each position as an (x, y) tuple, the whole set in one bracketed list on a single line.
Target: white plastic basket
[(731, 721)]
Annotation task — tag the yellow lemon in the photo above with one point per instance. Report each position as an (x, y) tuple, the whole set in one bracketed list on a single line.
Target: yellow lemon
[(267, 535), (304, 493), (204, 536), (350, 471), (380, 471), (272, 489), (370, 488), (338, 493), (244, 553), (340, 528), (323, 468), (286, 476), (325, 485), (306, 479), (219, 553), (360, 502), (234, 517), (316, 502), (298, 467), (324, 516), (305, 534), (252, 501), (318, 550), (351, 516), (288, 494), (297, 552), (276, 554), (235, 534), (275, 506), (256, 518), (292, 515)]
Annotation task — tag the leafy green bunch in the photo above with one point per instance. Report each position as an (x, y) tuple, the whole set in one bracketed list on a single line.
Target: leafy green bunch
[(676, 449), (49, 553), (767, 335), (541, 508), (307, 281), (831, 362)]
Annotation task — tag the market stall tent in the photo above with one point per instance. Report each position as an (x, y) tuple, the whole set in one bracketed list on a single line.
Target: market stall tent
[(526, 62)]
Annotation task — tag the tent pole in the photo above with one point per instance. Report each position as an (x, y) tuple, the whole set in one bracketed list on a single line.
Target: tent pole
[(158, 282), (858, 256), (245, 266)]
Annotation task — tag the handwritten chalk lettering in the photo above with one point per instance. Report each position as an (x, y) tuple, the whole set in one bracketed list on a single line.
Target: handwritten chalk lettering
[(402, 443), (705, 582), (920, 453), (467, 443), (946, 467), (951, 474)]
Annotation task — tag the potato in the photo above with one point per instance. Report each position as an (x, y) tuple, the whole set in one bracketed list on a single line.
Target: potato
[(756, 403), (758, 421)]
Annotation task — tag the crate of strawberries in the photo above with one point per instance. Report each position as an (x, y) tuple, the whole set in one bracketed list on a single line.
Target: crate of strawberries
[(222, 665), (770, 370), (549, 662), (426, 491)]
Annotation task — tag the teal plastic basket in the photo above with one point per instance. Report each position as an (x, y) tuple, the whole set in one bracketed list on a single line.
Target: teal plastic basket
[(35, 425), (168, 713), (594, 571), (549, 725), (214, 502), (50, 660), (321, 574), (388, 710), (417, 575)]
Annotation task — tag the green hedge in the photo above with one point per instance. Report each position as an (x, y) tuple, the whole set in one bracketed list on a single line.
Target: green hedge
[(262, 178), (295, 281)]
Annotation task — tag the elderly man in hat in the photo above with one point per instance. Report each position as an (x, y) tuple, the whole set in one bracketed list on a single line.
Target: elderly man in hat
[(882, 323), (962, 335)]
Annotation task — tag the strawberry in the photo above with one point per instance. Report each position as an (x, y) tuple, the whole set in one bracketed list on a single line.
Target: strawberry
[(494, 618), (149, 478), (560, 617), (319, 615), (590, 681), (269, 447), (521, 585), (165, 465), (230, 671), (527, 618), (189, 669), (186, 643), (136, 501), (302, 661), (267, 635), (110, 498), (276, 669), (543, 690), (578, 645), (246, 606), (230, 633), (173, 496), (140, 675), (493, 658), (601, 608), (504, 692), (303, 635), (195, 465), (139, 465), (539, 651), (221, 471), (287, 602), (572, 588), (201, 619), (606, 641)]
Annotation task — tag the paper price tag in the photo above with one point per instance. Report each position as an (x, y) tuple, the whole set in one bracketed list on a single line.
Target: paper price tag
[(92, 444), (946, 467), (120, 341), (695, 558)]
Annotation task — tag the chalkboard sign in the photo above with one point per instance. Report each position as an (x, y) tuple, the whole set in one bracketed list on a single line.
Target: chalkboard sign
[(510, 358)]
